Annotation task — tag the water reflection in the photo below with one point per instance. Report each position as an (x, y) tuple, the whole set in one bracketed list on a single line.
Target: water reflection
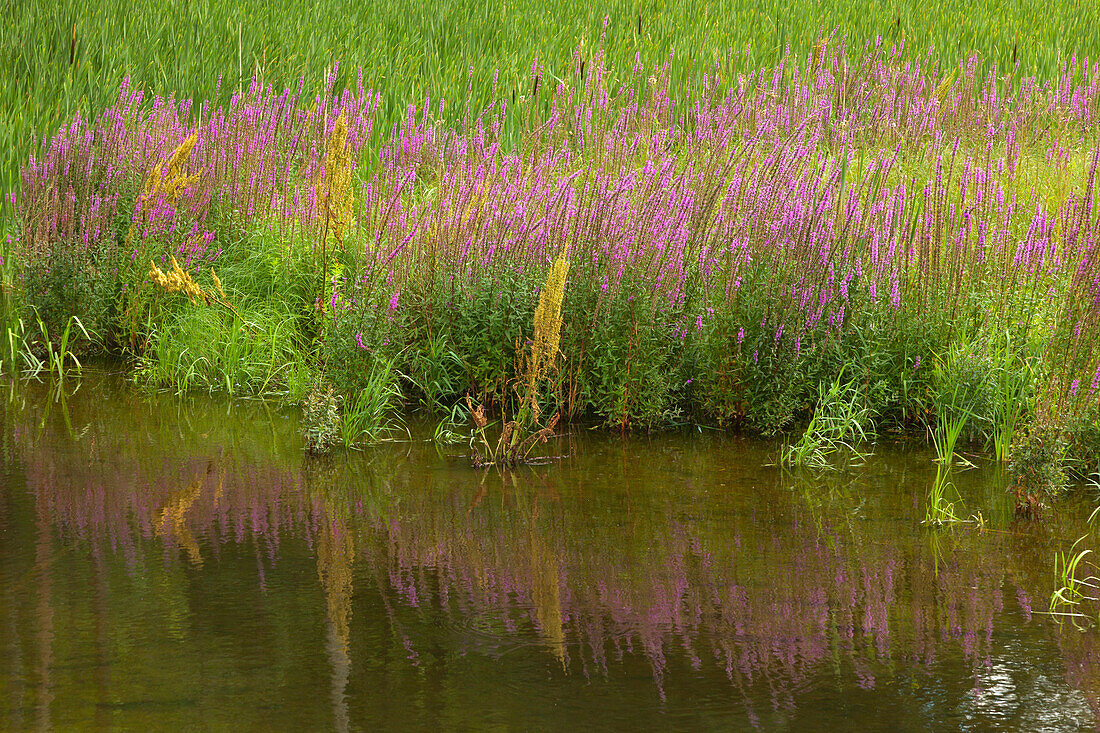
[(43, 621), (675, 577), (335, 551)]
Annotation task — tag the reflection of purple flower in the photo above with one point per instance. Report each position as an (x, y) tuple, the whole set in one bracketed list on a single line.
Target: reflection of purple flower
[(411, 654), (1024, 601)]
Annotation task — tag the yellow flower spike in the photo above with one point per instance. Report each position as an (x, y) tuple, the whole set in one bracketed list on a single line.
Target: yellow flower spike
[(165, 179), (334, 187), (217, 283), (547, 336)]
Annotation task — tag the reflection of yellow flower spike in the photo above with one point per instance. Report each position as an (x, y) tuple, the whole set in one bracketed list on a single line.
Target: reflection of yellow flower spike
[(334, 187), (544, 344), (546, 595), (335, 560), (174, 512)]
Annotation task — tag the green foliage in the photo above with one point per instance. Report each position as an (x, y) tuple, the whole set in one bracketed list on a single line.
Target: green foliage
[(627, 373), (435, 371), (1014, 380), (776, 388), (964, 396), (75, 282), (489, 319), (1082, 436), (19, 356)]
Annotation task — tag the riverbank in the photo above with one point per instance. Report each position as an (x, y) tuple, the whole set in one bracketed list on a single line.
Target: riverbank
[(847, 243)]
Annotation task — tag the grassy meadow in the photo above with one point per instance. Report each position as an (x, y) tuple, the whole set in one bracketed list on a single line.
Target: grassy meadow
[(69, 57), (636, 216)]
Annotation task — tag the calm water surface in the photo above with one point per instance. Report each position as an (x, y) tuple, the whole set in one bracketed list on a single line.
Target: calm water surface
[(175, 563)]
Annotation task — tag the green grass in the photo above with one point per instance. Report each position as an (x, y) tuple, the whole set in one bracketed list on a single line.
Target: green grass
[(939, 510), (203, 348), (66, 57), (255, 347)]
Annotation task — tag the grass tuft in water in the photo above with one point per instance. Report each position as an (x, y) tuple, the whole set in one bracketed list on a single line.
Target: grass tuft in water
[(842, 420), (941, 509), (1079, 581), (367, 416)]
